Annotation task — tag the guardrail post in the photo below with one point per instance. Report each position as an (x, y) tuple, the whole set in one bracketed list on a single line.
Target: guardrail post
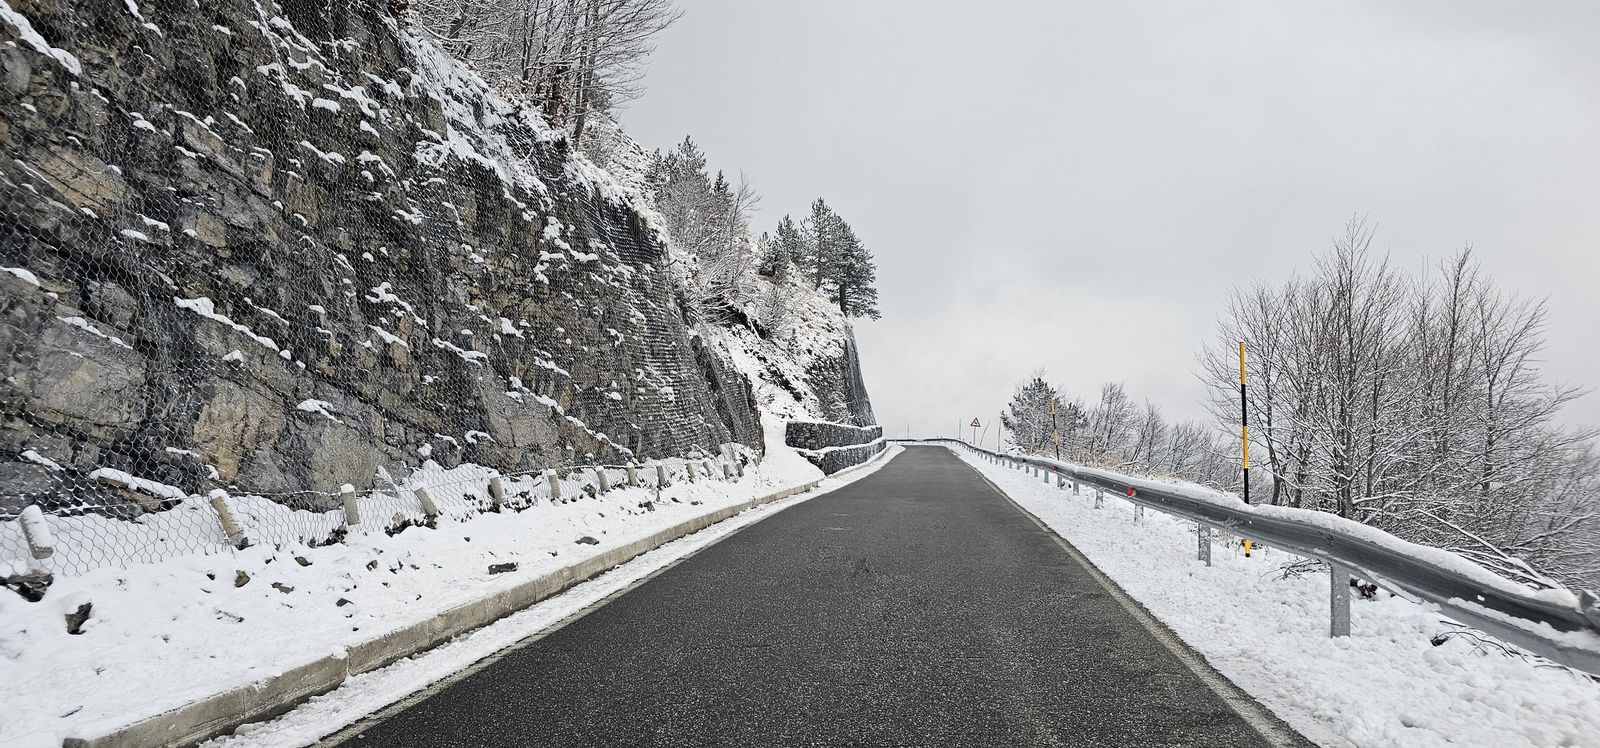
[(555, 485), (497, 493), (1338, 600), (1099, 498), (429, 509), (1204, 534), (1074, 486), (352, 512), (1138, 512), (633, 475), (661, 476), (1045, 476)]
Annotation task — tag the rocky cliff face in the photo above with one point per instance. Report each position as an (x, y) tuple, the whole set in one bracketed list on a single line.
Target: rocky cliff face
[(282, 247)]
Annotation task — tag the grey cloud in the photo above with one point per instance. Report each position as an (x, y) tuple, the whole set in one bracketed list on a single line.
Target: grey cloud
[(1076, 185)]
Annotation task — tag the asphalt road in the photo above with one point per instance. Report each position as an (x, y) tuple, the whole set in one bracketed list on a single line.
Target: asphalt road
[(914, 607)]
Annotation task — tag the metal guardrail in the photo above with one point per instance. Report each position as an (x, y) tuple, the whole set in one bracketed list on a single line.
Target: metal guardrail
[(1562, 631)]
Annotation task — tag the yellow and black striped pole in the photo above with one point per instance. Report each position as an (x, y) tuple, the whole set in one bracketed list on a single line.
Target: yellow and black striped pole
[(1244, 424)]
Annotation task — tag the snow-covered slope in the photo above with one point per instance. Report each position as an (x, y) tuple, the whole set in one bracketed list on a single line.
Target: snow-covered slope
[(803, 367)]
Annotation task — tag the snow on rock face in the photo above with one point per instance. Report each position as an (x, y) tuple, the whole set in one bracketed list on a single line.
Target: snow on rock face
[(282, 204)]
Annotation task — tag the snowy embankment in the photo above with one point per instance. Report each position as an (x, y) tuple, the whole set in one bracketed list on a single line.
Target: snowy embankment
[(161, 635), (1387, 684)]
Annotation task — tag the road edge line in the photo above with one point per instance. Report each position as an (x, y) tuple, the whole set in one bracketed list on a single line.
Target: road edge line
[(220, 713), (1272, 728), (388, 711)]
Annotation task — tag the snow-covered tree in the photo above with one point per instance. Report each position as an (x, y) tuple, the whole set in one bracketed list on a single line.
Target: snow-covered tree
[(1027, 417), (1414, 403), (786, 247), (571, 58), (839, 264), (853, 287)]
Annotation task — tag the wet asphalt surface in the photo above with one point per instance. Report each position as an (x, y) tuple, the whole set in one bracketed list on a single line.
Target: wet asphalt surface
[(914, 607)]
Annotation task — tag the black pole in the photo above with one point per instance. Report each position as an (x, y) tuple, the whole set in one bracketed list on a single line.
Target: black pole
[(1244, 424)]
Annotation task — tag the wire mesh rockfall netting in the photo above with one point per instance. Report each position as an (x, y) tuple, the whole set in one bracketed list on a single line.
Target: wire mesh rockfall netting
[(275, 249)]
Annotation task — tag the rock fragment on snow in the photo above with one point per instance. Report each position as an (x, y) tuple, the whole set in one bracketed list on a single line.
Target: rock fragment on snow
[(78, 617)]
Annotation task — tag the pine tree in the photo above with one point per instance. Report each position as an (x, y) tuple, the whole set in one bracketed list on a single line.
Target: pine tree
[(854, 276), (684, 196), (1027, 420), (787, 245), (821, 239)]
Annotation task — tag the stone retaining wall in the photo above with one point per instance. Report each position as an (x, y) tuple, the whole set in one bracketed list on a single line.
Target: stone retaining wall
[(834, 446)]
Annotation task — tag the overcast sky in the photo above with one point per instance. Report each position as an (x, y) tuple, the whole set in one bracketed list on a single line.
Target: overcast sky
[(1077, 185)]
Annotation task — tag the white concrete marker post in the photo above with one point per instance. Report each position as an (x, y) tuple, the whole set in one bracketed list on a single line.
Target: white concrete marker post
[(555, 485), (352, 511), (602, 483), (497, 493), (633, 475), (661, 476), (429, 509), (230, 526), (41, 544)]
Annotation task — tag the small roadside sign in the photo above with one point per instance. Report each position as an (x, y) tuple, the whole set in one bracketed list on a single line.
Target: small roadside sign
[(975, 423)]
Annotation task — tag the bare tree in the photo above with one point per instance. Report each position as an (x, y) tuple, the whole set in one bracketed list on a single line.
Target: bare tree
[(1414, 404), (568, 57)]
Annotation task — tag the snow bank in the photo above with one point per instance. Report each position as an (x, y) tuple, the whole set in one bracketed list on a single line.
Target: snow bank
[(1385, 685), (162, 634), (1439, 557)]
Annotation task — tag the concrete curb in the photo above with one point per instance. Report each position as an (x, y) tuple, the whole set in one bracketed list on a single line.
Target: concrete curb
[(269, 697)]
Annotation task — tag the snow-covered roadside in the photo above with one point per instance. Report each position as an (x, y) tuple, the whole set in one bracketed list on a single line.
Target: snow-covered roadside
[(163, 634), (1386, 685), (367, 693)]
